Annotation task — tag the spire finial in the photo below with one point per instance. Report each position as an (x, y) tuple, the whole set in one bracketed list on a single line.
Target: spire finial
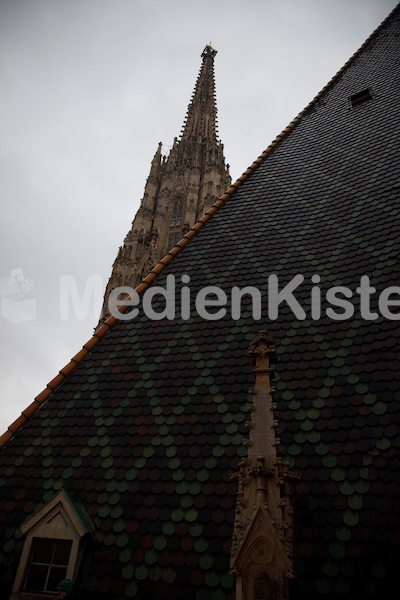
[(201, 118), (208, 52), (262, 352)]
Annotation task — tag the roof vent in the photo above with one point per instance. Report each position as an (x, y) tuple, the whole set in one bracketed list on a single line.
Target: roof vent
[(360, 97)]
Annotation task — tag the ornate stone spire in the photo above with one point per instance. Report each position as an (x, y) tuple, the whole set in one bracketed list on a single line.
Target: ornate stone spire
[(179, 188), (201, 118)]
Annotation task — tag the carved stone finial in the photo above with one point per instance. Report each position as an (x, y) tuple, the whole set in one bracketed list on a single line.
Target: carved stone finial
[(263, 353), (209, 51)]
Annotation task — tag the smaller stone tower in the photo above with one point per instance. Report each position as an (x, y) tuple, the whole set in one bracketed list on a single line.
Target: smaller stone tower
[(179, 188)]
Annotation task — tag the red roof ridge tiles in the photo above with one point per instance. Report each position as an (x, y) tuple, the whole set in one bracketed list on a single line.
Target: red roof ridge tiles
[(141, 288)]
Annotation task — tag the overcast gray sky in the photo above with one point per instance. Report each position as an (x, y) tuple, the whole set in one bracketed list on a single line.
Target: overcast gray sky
[(88, 89)]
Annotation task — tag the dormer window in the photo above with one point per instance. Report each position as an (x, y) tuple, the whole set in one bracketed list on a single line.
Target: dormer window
[(360, 97), (55, 538)]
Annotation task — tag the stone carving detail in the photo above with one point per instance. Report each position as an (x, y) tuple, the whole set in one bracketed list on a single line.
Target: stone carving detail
[(263, 354), (262, 542)]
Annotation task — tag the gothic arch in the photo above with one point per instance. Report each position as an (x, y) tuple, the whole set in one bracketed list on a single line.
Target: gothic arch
[(261, 564)]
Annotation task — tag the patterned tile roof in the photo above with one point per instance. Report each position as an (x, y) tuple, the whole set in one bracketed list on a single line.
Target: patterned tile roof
[(148, 427)]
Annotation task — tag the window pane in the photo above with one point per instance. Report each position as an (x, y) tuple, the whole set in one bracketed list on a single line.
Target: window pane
[(36, 579), (48, 566), (42, 551), (57, 574), (62, 552)]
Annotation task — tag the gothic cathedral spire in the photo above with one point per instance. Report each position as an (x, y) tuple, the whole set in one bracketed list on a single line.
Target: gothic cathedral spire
[(201, 118), (179, 188)]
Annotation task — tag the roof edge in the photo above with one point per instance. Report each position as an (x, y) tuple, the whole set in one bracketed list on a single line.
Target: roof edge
[(148, 280)]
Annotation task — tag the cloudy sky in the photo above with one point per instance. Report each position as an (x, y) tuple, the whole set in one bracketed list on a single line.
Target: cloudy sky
[(88, 89)]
